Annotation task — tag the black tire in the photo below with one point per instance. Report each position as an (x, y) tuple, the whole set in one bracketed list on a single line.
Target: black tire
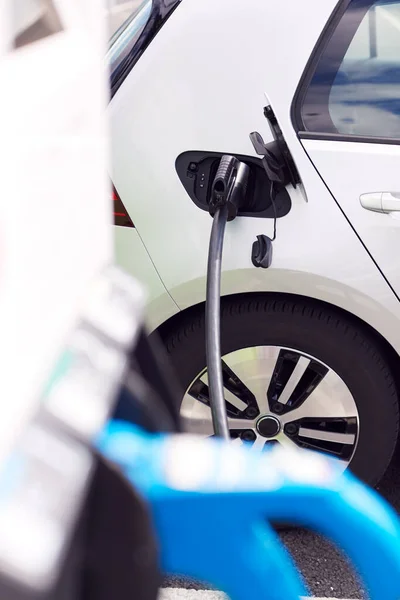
[(321, 331)]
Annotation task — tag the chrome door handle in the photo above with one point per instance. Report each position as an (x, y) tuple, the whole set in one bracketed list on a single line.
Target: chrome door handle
[(383, 202)]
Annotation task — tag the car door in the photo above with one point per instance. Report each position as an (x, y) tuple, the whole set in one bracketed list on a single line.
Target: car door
[(347, 114)]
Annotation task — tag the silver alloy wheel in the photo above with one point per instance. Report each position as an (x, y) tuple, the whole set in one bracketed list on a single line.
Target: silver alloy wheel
[(279, 395)]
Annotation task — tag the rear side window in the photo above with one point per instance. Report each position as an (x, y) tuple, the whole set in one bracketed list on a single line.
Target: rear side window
[(125, 27), (120, 13), (354, 89), (131, 39)]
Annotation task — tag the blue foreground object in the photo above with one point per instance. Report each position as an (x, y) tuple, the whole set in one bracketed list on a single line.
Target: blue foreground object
[(211, 501)]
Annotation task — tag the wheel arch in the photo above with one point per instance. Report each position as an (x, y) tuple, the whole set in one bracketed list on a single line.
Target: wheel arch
[(197, 310)]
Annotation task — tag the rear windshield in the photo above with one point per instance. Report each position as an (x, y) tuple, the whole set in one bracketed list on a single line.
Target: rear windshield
[(127, 19), (131, 35)]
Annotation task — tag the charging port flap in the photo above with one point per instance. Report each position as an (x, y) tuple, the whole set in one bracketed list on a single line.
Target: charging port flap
[(197, 171)]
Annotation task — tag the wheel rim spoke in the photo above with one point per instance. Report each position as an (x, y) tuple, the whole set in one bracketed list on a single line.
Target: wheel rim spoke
[(254, 366), (228, 395), (285, 441), (201, 427), (258, 444), (329, 399), (196, 417), (299, 370), (327, 436), (237, 442), (240, 424), (316, 409)]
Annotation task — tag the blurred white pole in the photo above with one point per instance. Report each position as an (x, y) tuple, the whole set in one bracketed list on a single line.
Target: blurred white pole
[(55, 209)]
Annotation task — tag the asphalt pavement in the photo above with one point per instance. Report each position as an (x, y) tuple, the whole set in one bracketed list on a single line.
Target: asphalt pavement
[(325, 571)]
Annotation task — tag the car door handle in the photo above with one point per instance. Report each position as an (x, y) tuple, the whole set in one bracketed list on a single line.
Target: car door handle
[(383, 202)]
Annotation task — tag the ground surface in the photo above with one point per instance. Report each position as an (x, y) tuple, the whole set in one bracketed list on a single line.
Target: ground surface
[(324, 569)]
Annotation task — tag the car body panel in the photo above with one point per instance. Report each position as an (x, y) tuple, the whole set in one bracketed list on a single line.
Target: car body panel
[(364, 168), (200, 86), (132, 256)]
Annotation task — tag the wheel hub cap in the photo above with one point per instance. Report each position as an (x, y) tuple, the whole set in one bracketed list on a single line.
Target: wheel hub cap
[(278, 395), (268, 427)]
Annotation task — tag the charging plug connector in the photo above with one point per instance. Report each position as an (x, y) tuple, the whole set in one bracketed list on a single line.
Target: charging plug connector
[(229, 186)]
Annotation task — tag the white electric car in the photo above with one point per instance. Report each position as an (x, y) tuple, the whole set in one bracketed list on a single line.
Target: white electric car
[(311, 345)]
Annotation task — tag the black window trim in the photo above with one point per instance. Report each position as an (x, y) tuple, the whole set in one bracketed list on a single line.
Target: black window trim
[(305, 80), (161, 10), (344, 137)]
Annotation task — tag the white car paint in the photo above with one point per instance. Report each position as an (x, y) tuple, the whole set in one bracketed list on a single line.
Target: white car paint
[(364, 168), (200, 85), (131, 255)]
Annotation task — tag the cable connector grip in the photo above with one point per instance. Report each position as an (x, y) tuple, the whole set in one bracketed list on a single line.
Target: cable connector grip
[(229, 186)]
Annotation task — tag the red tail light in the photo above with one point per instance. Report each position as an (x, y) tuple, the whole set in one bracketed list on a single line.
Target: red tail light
[(121, 217)]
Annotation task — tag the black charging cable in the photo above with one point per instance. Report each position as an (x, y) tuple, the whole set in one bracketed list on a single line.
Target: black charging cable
[(227, 195), (213, 324), (272, 197)]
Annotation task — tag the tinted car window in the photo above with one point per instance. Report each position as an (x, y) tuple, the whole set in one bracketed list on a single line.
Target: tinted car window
[(126, 31), (355, 89), (131, 40), (120, 12)]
